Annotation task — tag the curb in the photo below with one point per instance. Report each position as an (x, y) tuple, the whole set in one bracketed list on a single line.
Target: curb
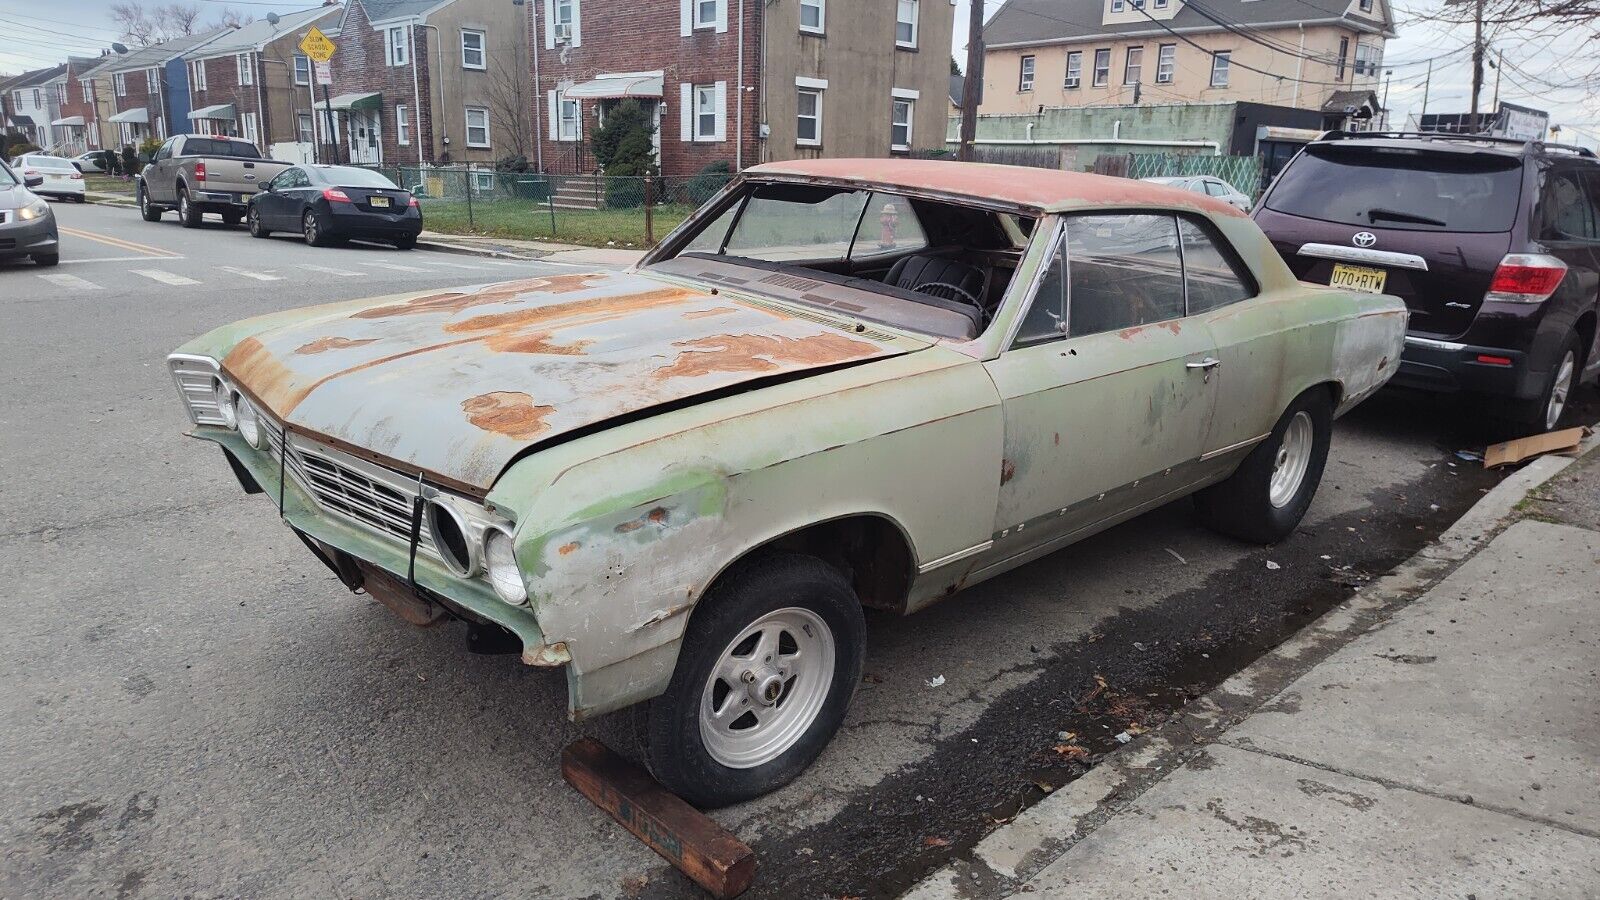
[(465, 250), (1006, 858)]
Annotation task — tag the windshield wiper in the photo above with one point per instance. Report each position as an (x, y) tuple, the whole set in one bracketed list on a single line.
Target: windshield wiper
[(1395, 215)]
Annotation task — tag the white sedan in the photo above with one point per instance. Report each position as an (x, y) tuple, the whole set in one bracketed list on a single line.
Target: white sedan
[(1208, 185), (61, 178)]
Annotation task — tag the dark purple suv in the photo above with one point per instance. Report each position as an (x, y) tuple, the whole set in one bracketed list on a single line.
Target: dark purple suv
[(1493, 244)]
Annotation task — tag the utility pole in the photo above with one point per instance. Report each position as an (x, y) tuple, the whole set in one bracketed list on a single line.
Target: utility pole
[(1387, 73), (1426, 83), (972, 86), (1495, 106), (1477, 61)]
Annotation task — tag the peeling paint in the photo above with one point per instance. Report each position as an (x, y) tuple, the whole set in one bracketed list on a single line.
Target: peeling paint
[(760, 353), (511, 413), (322, 345), (456, 301)]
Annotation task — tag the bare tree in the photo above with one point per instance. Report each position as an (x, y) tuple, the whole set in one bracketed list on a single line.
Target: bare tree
[(134, 23), (178, 19), (510, 102), (229, 18), (1526, 29)]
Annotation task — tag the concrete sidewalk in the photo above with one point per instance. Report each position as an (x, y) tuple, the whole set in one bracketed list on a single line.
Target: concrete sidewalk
[(544, 251), (1441, 746)]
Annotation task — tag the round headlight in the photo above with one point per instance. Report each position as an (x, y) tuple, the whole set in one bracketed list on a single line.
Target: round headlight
[(505, 576), (225, 408), (449, 536), (249, 422)]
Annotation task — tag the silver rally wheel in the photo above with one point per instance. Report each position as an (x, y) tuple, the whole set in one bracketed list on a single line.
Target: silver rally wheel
[(1560, 390), (767, 688), (1292, 460)]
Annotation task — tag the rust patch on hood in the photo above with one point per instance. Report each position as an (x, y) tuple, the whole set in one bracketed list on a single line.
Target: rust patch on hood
[(573, 312), (760, 353), (533, 342), (321, 345), (511, 413), (456, 301), (703, 313)]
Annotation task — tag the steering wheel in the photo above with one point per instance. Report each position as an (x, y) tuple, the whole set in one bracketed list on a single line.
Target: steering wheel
[(953, 288)]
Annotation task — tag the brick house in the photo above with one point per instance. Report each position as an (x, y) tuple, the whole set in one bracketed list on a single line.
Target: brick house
[(742, 81), (254, 83), (73, 130), (148, 90), (428, 82)]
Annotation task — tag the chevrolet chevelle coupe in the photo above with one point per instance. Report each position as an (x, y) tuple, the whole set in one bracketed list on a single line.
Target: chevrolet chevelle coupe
[(841, 383)]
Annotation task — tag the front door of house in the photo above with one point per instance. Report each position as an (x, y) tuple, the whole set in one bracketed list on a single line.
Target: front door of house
[(366, 141)]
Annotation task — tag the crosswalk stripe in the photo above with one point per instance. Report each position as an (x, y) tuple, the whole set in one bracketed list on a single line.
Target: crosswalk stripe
[(393, 267), (71, 281), (163, 277), (448, 265), (246, 273), (341, 273)]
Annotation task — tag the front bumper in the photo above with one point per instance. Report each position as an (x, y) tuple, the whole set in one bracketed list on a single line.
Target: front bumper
[(18, 238), (1450, 367), (301, 512)]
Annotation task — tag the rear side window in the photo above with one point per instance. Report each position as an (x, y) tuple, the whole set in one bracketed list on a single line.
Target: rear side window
[(1404, 188), (1213, 277), (1122, 271), (1566, 211)]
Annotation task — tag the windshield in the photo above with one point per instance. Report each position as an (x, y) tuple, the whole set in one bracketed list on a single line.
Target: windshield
[(1402, 188), (350, 176), (7, 180), (209, 147)]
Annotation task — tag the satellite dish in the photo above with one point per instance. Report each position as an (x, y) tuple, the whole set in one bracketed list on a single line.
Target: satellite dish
[(272, 19), (120, 48)]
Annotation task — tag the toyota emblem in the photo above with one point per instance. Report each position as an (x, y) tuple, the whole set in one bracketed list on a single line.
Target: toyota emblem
[(1364, 239)]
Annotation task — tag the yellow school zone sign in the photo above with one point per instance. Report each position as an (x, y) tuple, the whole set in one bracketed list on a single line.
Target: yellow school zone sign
[(317, 46)]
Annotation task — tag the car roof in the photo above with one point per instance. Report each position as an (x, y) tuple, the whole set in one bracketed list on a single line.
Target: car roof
[(1022, 187)]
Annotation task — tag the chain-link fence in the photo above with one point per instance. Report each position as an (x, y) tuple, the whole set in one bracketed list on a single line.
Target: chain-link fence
[(596, 210), (1243, 172)]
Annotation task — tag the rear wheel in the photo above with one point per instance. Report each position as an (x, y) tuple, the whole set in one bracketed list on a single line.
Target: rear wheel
[(1543, 413), (1269, 494), (769, 663), (189, 215), (253, 222), (311, 229), (405, 242), (148, 211)]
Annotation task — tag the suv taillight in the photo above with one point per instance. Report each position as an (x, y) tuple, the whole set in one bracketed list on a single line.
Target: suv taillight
[(200, 172), (1526, 278)]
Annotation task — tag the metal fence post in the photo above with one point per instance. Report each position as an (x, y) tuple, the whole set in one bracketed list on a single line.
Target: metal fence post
[(649, 203), (550, 199), (467, 177)]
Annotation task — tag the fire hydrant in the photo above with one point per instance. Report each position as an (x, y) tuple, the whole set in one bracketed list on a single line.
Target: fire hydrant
[(887, 221)]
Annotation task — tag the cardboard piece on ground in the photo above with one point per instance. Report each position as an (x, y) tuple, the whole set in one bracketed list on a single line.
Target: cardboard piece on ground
[(1512, 452), (684, 836)]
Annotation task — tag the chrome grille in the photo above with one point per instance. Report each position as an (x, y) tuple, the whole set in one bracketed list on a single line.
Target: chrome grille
[(359, 492), (196, 378)]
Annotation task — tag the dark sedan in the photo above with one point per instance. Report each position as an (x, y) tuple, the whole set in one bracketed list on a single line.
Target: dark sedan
[(326, 204)]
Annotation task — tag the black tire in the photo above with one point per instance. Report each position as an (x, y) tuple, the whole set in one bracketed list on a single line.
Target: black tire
[(405, 242), (253, 222), (674, 747), (311, 230), (1241, 507), (189, 215), (147, 211), (47, 259), (1535, 414), (232, 218)]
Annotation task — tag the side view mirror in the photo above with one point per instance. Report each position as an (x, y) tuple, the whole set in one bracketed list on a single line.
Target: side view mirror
[(32, 181)]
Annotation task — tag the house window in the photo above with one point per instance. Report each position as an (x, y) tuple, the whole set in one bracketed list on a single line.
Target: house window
[(250, 132), (1102, 67), (478, 126), (302, 69), (1074, 69), (88, 96), (306, 123), (808, 118), (1368, 58), (1117, 6), (472, 50), (1344, 51), (37, 102), (482, 182), (1219, 68), (1025, 74), (1366, 6), (246, 71), (152, 80), (199, 74), (1133, 66), (568, 119), (395, 49), (707, 13), (563, 21), (705, 112), (61, 92), (1166, 63), (812, 15), (402, 124), (1161, 4), (900, 124), (905, 24), (118, 81)]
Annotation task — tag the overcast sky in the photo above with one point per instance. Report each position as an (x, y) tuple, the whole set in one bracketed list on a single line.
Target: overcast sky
[(35, 33)]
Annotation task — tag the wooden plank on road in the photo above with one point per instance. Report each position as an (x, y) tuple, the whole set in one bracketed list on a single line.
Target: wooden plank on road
[(684, 836)]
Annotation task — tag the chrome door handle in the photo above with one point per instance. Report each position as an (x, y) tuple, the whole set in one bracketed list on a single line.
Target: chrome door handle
[(1209, 362)]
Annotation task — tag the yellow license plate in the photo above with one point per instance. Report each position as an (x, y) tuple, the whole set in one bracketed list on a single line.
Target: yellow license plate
[(1358, 278), (384, 202)]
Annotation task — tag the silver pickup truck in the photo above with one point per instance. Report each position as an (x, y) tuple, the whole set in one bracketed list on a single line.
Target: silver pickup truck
[(200, 173)]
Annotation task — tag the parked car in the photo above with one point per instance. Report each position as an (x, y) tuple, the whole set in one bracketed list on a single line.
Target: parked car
[(1493, 244), (840, 383), (27, 223), (202, 173), (1209, 185), (61, 179), (91, 162), (333, 203)]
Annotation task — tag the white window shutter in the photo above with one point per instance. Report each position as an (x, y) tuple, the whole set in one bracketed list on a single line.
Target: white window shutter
[(685, 111), (722, 17), (550, 25), (577, 24), (721, 102), (685, 17), (555, 118)]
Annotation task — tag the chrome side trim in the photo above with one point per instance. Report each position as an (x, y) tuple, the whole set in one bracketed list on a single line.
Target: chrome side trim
[(957, 556), (1221, 451), (1360, 255), (1432, 344)]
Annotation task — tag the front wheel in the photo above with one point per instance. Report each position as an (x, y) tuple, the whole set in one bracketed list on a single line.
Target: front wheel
[(253, 222), (769, 663), (147, 211), (1268, 495), (47, 259)]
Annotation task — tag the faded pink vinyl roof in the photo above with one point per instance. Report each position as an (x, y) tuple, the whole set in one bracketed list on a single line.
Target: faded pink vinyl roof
[(1044, 190)]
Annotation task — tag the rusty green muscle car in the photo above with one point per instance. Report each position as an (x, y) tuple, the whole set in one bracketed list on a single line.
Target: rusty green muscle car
[(839, 384)]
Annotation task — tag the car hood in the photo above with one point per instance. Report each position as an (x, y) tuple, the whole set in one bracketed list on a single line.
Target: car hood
[(15, 197), (458, 383)]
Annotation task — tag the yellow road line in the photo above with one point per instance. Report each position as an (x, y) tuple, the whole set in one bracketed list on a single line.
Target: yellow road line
[(119, 243)]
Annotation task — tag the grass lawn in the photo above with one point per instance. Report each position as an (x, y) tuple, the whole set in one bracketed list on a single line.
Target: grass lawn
[(530, 220), (107, 184)]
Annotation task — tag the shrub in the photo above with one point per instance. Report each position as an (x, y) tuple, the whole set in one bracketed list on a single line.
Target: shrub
[(710, 179), (148, 148), (130, 161)]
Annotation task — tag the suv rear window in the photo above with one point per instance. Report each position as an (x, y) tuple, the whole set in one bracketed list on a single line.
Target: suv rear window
[(1404, 188)]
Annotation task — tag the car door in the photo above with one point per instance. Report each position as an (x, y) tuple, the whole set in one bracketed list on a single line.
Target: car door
[(158, 178), (274, 204), (1106, 388), (1568, 230)]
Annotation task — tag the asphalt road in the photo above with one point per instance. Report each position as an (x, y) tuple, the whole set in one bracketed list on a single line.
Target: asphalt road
[(194, 706)]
